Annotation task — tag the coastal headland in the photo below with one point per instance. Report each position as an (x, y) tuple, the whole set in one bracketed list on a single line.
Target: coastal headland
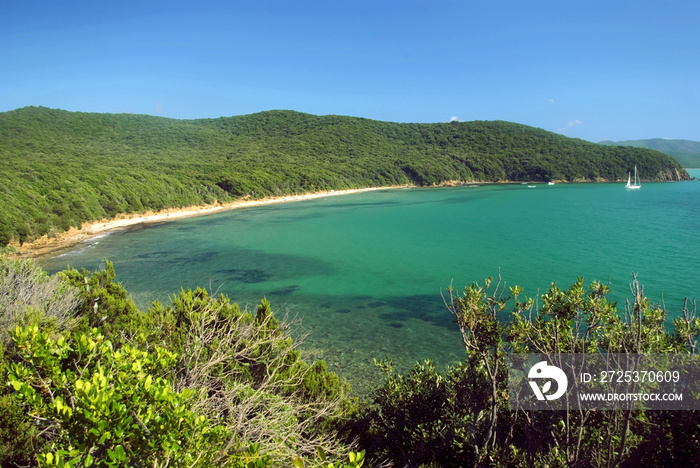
[(60, 169)]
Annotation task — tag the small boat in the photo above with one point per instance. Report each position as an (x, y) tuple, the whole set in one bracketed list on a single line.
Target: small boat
[(531, 186), (636, 184), (550, 183)]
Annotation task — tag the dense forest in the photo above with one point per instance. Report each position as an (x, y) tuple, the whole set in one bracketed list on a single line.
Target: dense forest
[(87, 379), (59, 169), (686, 152)]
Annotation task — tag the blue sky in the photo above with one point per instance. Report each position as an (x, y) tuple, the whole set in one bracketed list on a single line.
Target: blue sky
[(587, 69)]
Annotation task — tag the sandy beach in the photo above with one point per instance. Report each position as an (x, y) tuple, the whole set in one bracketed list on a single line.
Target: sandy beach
[(48, 245)]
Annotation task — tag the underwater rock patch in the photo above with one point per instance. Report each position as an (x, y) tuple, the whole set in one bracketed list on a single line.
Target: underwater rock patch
[(250, 276)]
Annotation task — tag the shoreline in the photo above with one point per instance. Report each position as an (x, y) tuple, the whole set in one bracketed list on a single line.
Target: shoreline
[(45, 245)]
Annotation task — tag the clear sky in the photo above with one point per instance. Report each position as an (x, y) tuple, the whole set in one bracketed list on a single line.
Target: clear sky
[(584, 68)]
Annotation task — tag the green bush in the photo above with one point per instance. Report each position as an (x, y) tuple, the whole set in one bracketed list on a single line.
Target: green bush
[(461, 417), (108, 408), (249, 374), (18, 436), (28, 295), (198, 381), (104, 302), (421, 418)]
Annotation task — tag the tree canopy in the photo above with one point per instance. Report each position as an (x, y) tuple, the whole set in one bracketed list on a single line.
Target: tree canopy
[(59, 169)]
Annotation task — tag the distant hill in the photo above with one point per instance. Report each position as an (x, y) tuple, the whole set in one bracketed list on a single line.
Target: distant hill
[(686, 152), (59, 169)]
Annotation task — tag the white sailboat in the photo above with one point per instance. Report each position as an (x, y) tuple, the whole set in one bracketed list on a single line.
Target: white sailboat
[(636, 184)]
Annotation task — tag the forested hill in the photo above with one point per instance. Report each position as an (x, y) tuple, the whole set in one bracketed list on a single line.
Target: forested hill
[(59, 169), (686, 152)]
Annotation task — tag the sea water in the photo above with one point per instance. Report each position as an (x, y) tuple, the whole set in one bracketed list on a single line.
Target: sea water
[(366, 273)]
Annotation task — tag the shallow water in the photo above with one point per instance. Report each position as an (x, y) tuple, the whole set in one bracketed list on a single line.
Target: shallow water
[(365, 271)]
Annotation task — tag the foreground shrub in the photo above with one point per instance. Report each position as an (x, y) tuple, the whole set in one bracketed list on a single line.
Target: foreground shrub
[(105, 303), (197, 382), (420, 418), (29, 295), (17, 434), (247, 374), (97, 406), (462, 417)]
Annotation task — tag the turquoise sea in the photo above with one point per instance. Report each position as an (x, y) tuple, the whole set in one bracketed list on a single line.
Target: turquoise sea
[(365, 271)]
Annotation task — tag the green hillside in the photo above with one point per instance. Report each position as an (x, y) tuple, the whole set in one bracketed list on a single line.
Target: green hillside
[(686, 152), (59, 169)]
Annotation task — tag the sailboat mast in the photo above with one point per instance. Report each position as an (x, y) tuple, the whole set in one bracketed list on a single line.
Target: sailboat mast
[(629, 177)]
